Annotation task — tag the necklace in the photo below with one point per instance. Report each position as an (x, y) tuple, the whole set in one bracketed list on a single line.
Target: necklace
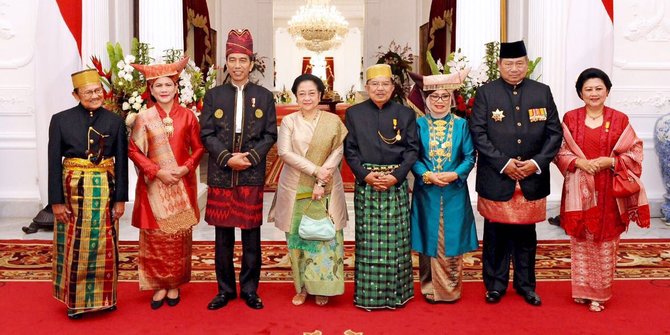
[(440, 143), (168, 124), (595, 117), (316, 115)]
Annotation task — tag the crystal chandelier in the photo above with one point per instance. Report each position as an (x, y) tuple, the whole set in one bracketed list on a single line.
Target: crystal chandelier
[(318, 26)]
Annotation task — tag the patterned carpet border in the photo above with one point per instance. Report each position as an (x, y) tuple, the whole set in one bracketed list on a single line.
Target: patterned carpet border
[(31, 261)]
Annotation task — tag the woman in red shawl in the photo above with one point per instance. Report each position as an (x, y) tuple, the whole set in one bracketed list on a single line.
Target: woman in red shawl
[(598, 141), (166, 149)]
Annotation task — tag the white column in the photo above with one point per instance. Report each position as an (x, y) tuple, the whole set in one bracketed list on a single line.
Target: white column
[(263, 40), (477, 23), (517, 20), (121, 28), (546, 39), (95, 17), (161, 26)]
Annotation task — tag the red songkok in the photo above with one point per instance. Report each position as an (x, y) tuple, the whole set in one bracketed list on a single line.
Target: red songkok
[(240, 41)]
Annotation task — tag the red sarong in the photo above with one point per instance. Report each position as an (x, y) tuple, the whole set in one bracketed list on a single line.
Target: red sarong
[(164, 261), (240, 206)]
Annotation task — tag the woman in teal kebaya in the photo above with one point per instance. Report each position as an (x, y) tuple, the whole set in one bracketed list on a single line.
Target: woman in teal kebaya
[(443, 224)]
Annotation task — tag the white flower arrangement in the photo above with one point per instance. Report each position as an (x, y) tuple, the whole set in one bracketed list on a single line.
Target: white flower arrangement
[(125, 87)]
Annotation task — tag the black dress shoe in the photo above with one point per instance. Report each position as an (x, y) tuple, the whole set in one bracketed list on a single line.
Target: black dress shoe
[(531, 298), (110, 309), (173, 302), (252, 300), (493, 297), (157, 304), (220, 300)]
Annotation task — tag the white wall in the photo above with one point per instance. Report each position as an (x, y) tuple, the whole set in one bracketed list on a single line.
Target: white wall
[(387, 21), (37, 56), (640, 75), (19, 191), (255, 15)]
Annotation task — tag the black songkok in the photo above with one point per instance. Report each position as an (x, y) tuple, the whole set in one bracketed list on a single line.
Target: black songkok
[(513, 50)]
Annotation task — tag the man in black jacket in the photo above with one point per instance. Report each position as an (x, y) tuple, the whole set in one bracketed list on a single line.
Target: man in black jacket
[(238, 128), (517, 133), (88, 189)]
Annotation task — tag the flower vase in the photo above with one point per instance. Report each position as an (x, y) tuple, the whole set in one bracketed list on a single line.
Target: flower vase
[(662, 145)]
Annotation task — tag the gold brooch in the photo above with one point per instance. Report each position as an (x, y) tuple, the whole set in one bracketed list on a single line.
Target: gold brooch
[(497, 115), (259, 113), (218, 113)]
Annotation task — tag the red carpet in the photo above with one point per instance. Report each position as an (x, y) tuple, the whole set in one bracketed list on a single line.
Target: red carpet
[(638, 307), (637, 259)]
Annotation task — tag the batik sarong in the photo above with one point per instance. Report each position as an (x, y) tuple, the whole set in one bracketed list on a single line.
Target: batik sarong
[(85, 249), (164, 260), (441, 276), (383, 268), (593, 266)]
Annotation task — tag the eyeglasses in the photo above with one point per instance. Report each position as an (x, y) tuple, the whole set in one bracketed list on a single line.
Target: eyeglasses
[(385, 85), (89, 93), (438, 97)]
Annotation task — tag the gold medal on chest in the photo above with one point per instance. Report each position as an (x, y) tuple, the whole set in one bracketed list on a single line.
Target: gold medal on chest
[(218, 113), (258, 113)]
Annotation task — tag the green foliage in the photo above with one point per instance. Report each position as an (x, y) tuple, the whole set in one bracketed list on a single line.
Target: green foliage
[(431, 63), (491, 59), (532, 64)]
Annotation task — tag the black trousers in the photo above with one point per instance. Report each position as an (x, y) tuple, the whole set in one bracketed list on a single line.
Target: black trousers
[(251, 260), (505, 241)]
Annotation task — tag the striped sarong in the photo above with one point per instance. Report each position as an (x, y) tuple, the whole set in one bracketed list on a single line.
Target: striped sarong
[(85, 249), (383, 268)]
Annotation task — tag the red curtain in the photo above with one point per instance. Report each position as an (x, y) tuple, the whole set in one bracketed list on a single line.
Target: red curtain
[(196, 14), (330, 69), (330, 72), (306, 66), (442, 29)]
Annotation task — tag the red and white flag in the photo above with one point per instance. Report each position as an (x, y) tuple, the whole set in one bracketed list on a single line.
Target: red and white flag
[(589, 43), (57, 56)]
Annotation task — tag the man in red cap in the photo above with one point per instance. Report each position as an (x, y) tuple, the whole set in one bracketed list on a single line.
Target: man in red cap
[(238, 128)]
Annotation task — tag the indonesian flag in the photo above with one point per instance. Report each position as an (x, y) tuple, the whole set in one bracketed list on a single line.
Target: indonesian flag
[(589, 43), (58, 55)]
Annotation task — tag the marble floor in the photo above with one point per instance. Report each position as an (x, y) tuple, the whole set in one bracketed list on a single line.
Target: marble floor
[(10, 228)]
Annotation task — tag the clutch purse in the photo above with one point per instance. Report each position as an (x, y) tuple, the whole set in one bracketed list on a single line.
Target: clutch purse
[(316, 229), (623, 186)]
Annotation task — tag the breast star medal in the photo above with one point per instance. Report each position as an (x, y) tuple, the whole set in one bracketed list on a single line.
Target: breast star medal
[(218, 113), (258, 113), (497, 115)]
